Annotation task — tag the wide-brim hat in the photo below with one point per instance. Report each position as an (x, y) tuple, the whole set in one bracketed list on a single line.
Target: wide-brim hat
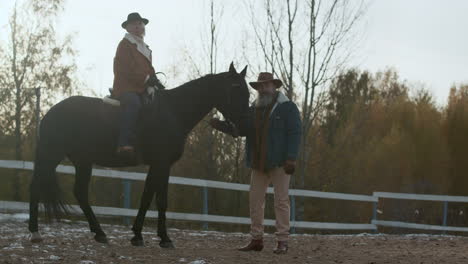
[(264, 77), (134, 17)]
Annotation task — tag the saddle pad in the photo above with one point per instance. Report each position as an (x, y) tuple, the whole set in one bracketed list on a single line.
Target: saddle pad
[(108, 100)]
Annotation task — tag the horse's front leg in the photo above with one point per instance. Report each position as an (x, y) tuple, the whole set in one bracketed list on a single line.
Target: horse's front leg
[(161, 201), (147, 197)]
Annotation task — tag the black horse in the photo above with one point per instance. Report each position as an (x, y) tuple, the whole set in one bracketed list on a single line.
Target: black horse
[(85, 130)]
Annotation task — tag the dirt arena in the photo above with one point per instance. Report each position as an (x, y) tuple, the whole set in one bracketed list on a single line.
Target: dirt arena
[(71, 242)]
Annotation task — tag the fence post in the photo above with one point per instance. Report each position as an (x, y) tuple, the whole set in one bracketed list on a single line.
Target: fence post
[(444, 219), (38, 112), (293, 214), (205, 206), (374, 212), (127, 184)]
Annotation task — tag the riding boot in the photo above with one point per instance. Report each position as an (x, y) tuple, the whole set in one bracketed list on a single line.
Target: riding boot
[(254, 245), (281, 247)]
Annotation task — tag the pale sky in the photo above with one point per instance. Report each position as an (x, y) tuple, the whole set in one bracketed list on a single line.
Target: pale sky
[(424, 40)]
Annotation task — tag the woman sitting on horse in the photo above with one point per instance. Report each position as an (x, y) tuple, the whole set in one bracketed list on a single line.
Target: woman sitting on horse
[(133, 74)]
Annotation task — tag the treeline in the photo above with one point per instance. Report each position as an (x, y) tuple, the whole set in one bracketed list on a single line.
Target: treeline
[(378, 134)]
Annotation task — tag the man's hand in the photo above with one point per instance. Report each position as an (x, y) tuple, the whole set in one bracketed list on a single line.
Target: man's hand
[(224, 126), (289, 166), (216, 123)]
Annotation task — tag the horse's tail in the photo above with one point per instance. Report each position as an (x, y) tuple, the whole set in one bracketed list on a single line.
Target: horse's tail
[(44, 184)]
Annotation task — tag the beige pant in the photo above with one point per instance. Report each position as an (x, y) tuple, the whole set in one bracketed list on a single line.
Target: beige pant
[(259, 182)]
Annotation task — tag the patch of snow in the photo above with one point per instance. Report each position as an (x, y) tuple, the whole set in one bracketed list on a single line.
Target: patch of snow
[(201, 261), (430, 235), (14, 246), (14, 217), (196, 234), (182, 260), (53, 257), (87, 262)]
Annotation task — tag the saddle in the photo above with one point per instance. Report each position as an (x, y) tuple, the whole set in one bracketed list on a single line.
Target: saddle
[(147, 97)]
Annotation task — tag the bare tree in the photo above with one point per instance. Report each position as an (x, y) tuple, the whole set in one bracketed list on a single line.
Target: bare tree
[(34, 58)]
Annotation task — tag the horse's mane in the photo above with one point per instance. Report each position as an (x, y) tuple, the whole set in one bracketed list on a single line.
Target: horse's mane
[(184, 89), (193, 82), (190, 84)]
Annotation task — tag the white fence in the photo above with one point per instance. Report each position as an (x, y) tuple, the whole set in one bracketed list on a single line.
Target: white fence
[(205, 217)]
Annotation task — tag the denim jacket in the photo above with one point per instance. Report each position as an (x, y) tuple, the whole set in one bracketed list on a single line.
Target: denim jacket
[(284, 135)]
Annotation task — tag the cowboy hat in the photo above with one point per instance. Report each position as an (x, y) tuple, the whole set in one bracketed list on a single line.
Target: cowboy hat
[(134, 17), (264, 77)]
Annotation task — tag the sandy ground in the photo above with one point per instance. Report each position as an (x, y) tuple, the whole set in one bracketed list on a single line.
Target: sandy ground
[(72, 243)]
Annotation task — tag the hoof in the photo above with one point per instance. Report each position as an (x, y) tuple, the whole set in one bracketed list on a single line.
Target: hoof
[(101, 239), (166, 244), (36, 237), (137, 242)]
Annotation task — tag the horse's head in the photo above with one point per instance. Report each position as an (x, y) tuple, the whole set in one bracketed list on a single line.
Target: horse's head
[(234, 95)]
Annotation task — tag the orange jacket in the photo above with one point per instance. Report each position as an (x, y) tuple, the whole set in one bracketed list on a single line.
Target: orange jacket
[(131, 69)]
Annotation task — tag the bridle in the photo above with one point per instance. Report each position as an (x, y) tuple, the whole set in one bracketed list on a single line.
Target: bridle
[(229, 105)]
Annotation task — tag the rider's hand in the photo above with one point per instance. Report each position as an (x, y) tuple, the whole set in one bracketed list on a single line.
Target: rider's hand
[(155, 82), (159, 85), (152, 80), (150, 90)]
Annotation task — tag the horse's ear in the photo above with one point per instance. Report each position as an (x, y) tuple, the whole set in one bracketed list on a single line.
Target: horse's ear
[(244, 72), (231, 68)]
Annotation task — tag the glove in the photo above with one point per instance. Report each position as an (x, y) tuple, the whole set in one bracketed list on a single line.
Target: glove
[(289, 166), (216, 124), (159, 85), (224, 126), (150, 90), (151, 80)]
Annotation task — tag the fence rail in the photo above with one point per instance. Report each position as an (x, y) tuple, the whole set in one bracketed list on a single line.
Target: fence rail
[(128, 177), (422, 197), (138, 176)]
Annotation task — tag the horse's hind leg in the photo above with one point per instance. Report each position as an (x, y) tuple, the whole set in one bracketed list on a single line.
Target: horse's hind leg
[(83, 175), (42, 167), (33, 211)]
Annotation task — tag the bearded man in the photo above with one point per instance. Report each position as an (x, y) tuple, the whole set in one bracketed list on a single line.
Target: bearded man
[(273, 131)]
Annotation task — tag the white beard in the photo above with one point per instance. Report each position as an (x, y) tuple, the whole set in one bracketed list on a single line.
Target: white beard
[(264, 100)]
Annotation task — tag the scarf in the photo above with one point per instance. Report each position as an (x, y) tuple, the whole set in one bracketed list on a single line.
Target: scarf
[(141, 45)]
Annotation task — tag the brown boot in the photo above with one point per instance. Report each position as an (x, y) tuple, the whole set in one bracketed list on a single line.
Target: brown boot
[(281, 247), (254, 245)]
